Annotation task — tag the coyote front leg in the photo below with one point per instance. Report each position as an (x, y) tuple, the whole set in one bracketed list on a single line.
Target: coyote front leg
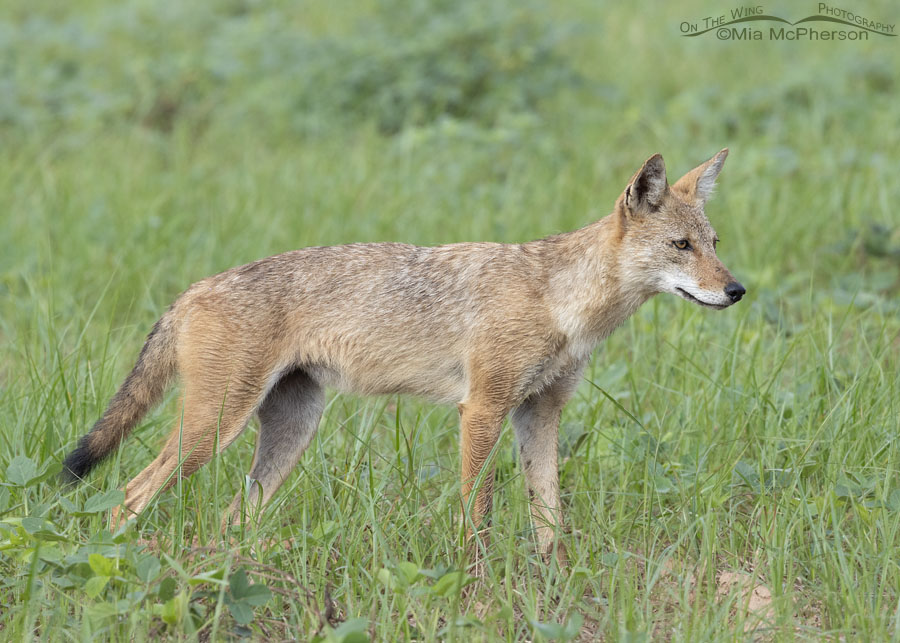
[(480, 426)]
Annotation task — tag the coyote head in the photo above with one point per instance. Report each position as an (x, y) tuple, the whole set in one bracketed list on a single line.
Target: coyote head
[(667, 243)]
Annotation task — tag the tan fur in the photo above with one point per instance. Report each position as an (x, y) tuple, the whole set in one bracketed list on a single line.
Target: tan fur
[(493, 328)]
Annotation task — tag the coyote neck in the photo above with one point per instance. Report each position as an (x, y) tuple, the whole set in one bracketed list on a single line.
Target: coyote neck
[(590, 292)]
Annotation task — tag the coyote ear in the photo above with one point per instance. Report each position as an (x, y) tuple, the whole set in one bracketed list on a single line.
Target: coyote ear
[(647, 186), (697, 185)]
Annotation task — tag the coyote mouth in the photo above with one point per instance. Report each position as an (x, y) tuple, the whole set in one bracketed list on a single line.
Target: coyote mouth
[(686, 295)]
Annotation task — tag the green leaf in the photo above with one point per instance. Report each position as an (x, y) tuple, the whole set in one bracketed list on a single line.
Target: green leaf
[(50, 535), (172, 612), (101, 565), (52, 470), (663, 485), (4, 499), (239, 584), (557, 632), (746, 474), (32, 524), (21, 471), (410, 572), (573, 626), (103, 501), (68, 505), (356, 637), (609, 559), (435, 573), (166, 589), (95, 585), (257, 594), (352, 631), (216, 577), (451, 582), (241, 612), (550, 631), (894, 500), (385, 577), (505, 613), (148, 568), (324, 529), (37, 528), (103, 610), (50, 553)]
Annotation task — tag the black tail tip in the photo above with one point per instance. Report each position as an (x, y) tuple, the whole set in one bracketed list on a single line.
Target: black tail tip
[(78, 463)]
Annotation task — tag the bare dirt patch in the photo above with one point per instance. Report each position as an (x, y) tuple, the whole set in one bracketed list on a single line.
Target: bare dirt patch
[(753, 601)]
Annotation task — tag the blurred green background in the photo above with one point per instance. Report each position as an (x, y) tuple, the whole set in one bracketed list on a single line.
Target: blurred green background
[(145, 145), (250, 128)]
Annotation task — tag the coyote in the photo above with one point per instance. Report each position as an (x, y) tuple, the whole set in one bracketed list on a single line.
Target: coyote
[(497, 329)]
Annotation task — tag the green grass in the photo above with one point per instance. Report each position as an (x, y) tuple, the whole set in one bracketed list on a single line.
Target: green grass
[(144, 147)]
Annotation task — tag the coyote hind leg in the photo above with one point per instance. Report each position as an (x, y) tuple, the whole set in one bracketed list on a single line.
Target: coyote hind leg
[(288, 420), (214, 412)]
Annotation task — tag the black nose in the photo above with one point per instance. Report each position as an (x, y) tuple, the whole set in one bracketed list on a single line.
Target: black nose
[(735, 291)]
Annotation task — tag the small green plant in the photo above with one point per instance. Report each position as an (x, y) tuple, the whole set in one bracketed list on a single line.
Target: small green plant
[(116, 575)]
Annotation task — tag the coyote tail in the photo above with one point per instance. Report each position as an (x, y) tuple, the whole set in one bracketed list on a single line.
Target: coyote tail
[(143, 388)]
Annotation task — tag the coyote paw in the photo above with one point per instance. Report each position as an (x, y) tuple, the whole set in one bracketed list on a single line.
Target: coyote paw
[(555, 551), (118, 516)]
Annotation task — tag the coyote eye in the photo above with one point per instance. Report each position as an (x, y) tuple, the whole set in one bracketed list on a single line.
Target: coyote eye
[(683, 244)]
